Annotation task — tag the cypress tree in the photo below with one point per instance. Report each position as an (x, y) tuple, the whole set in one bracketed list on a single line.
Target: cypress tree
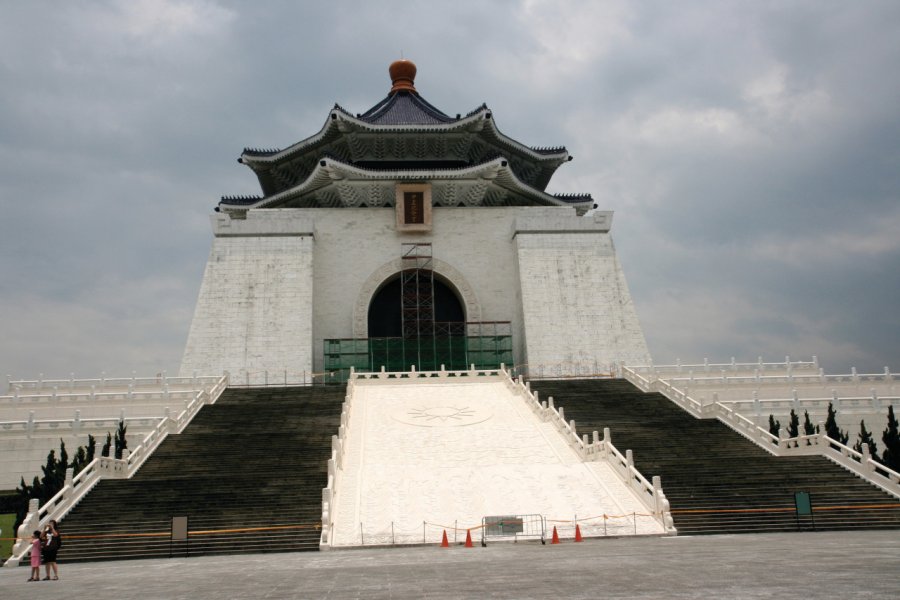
[(91, 449), (891, 438), (774, 427), (61, 466), (808, 427), (794, 426), (25, 493), (80, 460), (105, 450), (831, 427), (865, 437), (121, 442), (54, 478), (48, 487)]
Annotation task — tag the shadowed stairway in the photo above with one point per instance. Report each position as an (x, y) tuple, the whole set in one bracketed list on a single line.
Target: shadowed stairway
[(716, 480), (256, 459)]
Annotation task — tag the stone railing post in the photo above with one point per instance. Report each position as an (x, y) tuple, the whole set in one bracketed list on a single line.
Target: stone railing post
[(657, 488), (876, 402), (866, 461), (28, 526), (336, 450)]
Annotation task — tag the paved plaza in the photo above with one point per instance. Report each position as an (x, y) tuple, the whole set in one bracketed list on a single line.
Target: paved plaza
[(798, 565)]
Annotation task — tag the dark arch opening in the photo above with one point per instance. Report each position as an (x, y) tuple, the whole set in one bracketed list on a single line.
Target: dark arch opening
[(385, 315)]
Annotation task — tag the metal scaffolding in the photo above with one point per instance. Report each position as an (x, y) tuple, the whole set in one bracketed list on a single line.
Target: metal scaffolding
[(424, 342), (417, 302)]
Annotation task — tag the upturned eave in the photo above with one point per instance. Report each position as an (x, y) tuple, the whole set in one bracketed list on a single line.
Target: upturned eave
[(329, 170)]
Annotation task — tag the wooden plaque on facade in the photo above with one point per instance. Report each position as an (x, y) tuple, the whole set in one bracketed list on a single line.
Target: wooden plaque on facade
[(413, 205)]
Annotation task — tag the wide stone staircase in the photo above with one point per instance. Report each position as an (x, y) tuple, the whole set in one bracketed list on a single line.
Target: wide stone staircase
[(248, 473), (716, 480)]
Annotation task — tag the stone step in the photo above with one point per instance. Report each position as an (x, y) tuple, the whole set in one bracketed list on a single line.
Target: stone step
[(256, 459), (705, 465)]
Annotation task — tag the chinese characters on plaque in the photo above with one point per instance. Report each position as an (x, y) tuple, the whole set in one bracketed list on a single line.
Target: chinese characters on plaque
[(413, 208), (413, 205)]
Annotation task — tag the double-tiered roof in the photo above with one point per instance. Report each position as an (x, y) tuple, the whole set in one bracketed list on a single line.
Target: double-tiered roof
[(354, 160)]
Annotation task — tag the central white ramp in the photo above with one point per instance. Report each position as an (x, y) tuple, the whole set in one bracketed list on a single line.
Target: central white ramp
[(421, 456)]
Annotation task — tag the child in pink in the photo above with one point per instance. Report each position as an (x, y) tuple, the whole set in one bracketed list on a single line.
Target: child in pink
[(36, 556)]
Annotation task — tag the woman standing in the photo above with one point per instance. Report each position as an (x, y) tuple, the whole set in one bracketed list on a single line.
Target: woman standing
[(51, 547)]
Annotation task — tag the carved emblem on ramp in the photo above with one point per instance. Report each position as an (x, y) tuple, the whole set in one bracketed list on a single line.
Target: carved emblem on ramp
[(441, 416)]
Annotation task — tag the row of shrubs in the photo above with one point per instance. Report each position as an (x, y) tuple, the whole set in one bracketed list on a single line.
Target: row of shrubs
[(43, 488), (890, 457)]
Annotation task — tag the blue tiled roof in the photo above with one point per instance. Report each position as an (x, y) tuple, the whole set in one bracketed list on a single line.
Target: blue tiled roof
[(404, 108)]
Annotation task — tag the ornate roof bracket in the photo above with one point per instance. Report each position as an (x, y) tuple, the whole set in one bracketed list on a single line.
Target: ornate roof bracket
[(353, 186)]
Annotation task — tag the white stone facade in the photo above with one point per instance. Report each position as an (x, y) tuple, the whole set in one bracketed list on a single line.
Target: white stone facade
[(283, 280), (578, 313), (254, 312)]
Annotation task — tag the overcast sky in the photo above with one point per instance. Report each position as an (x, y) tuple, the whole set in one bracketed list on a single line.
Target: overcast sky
[(750, 151)]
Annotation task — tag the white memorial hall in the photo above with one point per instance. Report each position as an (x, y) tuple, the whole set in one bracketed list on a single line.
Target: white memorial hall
[(405, 338)]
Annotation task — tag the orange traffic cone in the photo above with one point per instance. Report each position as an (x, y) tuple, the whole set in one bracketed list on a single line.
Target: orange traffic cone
[(444, 542), (555, 536), (469, 538), (577, 533)]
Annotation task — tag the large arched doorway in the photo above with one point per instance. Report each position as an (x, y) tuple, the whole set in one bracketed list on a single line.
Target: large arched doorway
[(417, 322)]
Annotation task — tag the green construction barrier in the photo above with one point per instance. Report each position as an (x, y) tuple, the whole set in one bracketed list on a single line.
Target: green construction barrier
[(454, 352)]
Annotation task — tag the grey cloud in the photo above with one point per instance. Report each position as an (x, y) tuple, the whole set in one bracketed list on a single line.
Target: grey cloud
[(120, 129)]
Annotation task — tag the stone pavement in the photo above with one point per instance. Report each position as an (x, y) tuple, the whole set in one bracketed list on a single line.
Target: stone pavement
[(795, 565)]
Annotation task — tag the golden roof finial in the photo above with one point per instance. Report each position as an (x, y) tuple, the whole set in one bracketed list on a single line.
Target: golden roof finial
[(403, 76)]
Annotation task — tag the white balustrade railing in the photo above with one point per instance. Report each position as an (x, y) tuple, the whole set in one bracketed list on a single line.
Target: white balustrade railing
[(765, 406), (75, 425), (816, 444), (442, 373), (77, 487), (733, 366), (56, 398), (335, 464), (759, 380), (102, 383), (742, 374), (650, 493)]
